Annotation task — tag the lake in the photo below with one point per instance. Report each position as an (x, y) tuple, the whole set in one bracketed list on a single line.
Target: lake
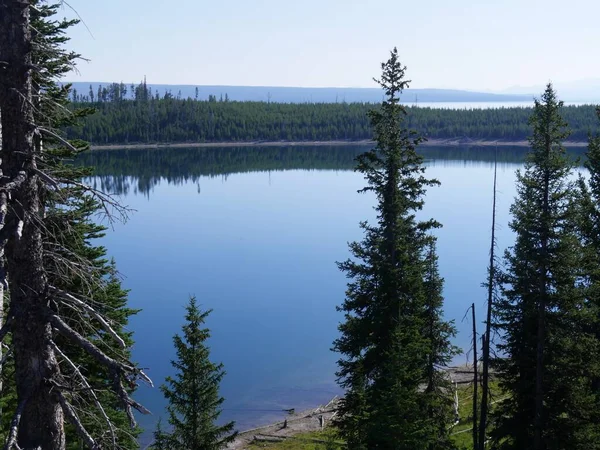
[(254, 233)]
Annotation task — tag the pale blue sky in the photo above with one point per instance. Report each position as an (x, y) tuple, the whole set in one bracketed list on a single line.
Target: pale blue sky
[(465, 44)]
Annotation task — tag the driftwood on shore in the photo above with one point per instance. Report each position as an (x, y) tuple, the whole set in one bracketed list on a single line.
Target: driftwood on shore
[(318, 418), (274, 438)]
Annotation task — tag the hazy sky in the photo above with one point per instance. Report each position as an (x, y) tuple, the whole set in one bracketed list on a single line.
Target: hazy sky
[(466, 44)]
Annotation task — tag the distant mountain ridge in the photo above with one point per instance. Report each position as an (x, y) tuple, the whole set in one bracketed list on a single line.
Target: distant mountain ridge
[(280, 94), (587, 90)]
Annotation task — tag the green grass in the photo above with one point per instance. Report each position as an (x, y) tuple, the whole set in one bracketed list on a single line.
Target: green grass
[(461, 433), (302, 442)]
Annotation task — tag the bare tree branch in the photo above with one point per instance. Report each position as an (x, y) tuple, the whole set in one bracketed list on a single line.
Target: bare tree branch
[(84, 381), (11, 441), (127, 400), (58, 138), (118, 369), (5, 357), (93, 313), (15, 183), (106, 201), (63, 2), (48, 179), (6, 328), (74, 420), (95, 352)]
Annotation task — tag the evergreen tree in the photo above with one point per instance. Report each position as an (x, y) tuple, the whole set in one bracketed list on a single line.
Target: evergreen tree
[(542, 315), (71, 224), (385, 350), (439, 403), (589, 228), (193, 394), (82, 295), (69, 233)]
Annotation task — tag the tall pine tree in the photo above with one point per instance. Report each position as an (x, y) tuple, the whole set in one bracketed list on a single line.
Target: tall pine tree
[(589, 228), (542, 315), (194, 404), (439, 402), (385, 349)]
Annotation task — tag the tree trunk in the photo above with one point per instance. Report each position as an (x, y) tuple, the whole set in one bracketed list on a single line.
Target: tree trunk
[(488, 324), (475, 378), (41, 423), (541, 311), (3, 211)]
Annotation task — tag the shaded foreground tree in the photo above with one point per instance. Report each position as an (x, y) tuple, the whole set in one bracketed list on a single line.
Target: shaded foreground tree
[(385, 347), (62, 326), (193, 398), (589, 228), (544, 320), (438, 399)]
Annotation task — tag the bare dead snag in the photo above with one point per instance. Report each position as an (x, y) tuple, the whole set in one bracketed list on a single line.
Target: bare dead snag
[(485, 390), (45, 395), (41, 417)]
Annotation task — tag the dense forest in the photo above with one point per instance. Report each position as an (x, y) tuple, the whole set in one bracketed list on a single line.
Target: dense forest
[(150, 118)]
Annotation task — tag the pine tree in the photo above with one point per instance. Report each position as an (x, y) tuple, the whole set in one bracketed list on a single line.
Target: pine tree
[(589, 229), (384, 348), (542, 315), (74, 315), (70, 232), (439, 403), (71, 224), (193, 393)]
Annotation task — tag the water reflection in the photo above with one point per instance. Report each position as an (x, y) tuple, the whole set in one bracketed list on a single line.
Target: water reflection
[(138, 171)]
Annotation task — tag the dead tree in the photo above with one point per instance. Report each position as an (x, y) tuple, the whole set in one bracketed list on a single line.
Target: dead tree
[(45, 395), (39, 418), (475, 377), (485, 357)]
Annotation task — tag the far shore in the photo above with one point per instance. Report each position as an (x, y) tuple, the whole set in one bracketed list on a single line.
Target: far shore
[(428, 143)]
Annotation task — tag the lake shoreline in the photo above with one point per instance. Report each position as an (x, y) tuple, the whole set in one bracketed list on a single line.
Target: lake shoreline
[(428, 143), (309, 421)]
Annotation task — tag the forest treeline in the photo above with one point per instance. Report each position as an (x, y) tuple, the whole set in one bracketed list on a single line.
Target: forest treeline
[(150, 118)]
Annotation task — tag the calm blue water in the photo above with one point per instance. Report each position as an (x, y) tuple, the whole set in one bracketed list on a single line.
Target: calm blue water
[(254, 234)]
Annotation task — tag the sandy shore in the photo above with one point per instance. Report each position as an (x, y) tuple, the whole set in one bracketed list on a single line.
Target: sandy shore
[(429, 143), (311, 420)]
